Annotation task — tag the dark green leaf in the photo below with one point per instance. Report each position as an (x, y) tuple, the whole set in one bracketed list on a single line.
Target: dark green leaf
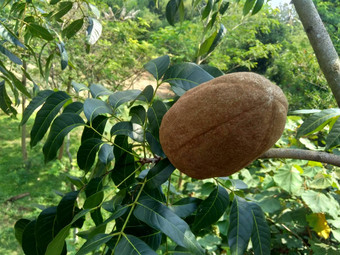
[(241, 226), (333, 138), (29, 244), (207, 9), (79, 86), (64, 8), (131, 245), (66, 210), (155, 145), (171, 11), (248, 6), (54, 1), (40, 31), (46, 115), (63, 55), (94, 243), (158, 66), (133, 130), (214, 71), (221, 33), (121, 97), (73, 28), (9, 36), (183, 77), (146, 95), (160, 217), (34, 104), (14, 58), (95, 107), (260, 236), (205, 46), (94, 200), (159, 173), (155, 115), (96, 130), (5, 101), (138, 114), (76, 181), (87, 153), (224, 7), (94, 31), (257, 7), (105, 154), (317, 121), (211, 209), (44, 229), (185, 207), (74, 107), (98, 90), (19, 229), (60, 127)]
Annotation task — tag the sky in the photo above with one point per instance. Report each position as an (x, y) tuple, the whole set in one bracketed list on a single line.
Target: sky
[(275, 3)]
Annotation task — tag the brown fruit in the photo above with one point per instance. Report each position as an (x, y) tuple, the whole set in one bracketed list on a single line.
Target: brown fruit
[(222, 125)]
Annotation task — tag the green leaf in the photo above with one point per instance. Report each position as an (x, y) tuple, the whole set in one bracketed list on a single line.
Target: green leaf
[(183, 77), (95, 107), (46, 115), (207, 9), (120, 97), (160, 217), (155, 115), (185, 207), (248, 6), (94, 243), (132, 130), (34, 104), (320, 203), (14, 58), (305, 111), (73, 28), (224, 7), (105, 154), (63, 55), (146, 95), (66, 210), (96, 130), (205, 46), (94, 31), (138, 114), (333, 138), (241, 226), (258, 6), (8, 35), (44, 228), (54, 1), (221, 33), (64, 8), (5, 101), (155, 145), (289, 179), (19, 229), (94, 10), (56, 246), (317, 121), (74, 107), (260, 236), (171, 10), (40, 31), (60, 127), (159, 173), (79, 86), (87, 153), (158, 66), (29, 244), (98, 90), (211, 209), (94, 200), (131, 245)]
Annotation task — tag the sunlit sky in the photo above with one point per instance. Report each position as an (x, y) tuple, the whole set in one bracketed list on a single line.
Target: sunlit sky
[(276, 3)]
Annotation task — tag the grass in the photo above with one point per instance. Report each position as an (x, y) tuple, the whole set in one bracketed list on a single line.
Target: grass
[(17, 177)]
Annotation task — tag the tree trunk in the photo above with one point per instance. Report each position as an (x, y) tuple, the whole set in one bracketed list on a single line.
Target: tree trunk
[(321, 42)]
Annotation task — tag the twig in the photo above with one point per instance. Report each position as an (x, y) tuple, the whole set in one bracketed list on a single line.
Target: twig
[(17, 197), (318, 156)]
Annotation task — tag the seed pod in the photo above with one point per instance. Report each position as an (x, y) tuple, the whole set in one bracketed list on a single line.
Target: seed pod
[(222, 125)]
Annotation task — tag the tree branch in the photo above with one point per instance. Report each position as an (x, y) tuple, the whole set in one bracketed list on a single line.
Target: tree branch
[(320, 40), (318, 156)]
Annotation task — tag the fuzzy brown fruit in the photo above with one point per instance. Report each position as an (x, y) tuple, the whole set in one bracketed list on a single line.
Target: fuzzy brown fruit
[(222, 125)]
